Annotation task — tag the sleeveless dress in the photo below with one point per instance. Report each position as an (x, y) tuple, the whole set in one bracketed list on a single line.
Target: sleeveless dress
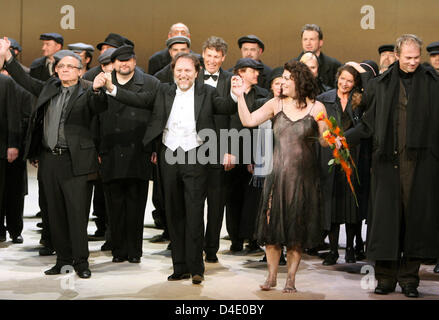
[(290, 212)]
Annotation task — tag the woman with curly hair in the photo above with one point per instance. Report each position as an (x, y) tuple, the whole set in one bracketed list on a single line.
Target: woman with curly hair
[(290, 212)]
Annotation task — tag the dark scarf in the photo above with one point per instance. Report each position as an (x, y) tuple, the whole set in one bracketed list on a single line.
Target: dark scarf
[(418, 116)]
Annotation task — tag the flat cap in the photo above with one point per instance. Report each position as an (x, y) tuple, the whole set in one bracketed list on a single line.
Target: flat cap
[(52, 36), (66, 53), (248, 63), (371, 67), (252, 39), (276, 73), (105, 57), (386, 47), (15, 44), (433, 48), (123, 53), (178, 39), (79, 47), (115, 40)]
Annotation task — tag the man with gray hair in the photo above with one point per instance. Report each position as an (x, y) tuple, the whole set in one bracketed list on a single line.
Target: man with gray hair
[(402, 116), (60, 140)]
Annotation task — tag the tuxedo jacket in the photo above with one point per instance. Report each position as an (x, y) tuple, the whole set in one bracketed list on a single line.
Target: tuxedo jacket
[(83, 104)]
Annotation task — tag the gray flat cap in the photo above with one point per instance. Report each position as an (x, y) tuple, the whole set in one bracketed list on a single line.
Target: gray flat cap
[(105, 57), (79, 47), (178, 39)]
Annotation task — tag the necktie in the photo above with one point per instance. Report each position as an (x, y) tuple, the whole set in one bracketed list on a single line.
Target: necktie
[(60, 105), (207, 76)]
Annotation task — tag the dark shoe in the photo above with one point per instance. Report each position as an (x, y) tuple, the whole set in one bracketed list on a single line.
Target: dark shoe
[(282, 260), (197, 279), (46, 251), (236, 246), (312, 252), (253, 247), (40, 225), (97, 236), (118, 259), (169, 247), (17, 239), (53, 271), (159, 238), (436, 268), (381, 289), (410, 291), (211, 258), (359, 253), (350, 255), (2, 238), (106, 246), (264, 258), (38, 214), (134, 260), (84, 274), (331, 258), (179, 276)]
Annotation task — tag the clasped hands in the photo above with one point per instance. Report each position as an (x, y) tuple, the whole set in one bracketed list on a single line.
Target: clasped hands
[(103, 80)]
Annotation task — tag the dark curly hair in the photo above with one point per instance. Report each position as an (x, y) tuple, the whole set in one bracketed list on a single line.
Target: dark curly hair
[(356, 94), (305, 82)]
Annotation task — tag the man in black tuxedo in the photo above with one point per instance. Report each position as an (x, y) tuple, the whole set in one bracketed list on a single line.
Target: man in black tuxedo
[(183, 112), (162, 58), (214, 54), (312, 40), (175, 45), (59, 137), (124, 168)]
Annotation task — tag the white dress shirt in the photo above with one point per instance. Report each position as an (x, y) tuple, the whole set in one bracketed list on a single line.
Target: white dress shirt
[(181, 129), (210, 81)]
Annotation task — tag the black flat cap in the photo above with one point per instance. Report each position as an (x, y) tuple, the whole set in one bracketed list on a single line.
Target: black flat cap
[(248, 63), (178, 39), (105, 57), (433, 48), (252, 39), (276, 73), (79, 47), (115, 40), (386, 47), (123, 53), (371, 67), (15, 44), (66, 53), (53, 36)]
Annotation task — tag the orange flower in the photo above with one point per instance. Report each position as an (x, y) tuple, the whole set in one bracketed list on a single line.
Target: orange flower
[(320, 116)]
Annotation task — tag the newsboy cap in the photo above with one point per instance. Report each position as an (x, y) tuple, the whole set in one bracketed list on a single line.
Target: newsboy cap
[(123, 53), (115, 40), (105, 57), (178, 39), (386, 47), (79, 47), (15, 44), (433, 48), (250, 39), (67, 53), (248, 63), (52, 36)]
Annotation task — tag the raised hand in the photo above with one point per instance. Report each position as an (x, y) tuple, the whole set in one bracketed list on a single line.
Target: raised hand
[(109, 81), (99, 81), (238, 86)]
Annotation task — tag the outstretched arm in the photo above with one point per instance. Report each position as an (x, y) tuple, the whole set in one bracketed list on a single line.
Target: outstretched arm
[(319, 107)]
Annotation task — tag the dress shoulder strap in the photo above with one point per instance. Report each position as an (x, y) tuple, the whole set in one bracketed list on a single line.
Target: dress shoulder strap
[(312, 107)]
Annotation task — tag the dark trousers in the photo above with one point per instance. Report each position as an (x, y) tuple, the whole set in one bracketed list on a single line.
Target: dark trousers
[(2, 188), (237, 181), (68, 198), (126, 199), (99, 206), (13, 198), (42, 202), (405, 271), (216, 200), (159, 214), (185, 188)]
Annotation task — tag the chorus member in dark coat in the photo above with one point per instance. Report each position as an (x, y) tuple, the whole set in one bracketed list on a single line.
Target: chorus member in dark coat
[(340, 206), (433, 52), (16, 173), (175, 45), (43, 68), (124, 166), (59, 137), (312, 40), (182, 111), (214, 54), (402, 115), (387, 56), (239, 164), (9, 134)]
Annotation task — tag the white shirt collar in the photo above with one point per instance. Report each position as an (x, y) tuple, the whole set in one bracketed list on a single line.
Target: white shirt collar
[(214, 74), (191, 90)]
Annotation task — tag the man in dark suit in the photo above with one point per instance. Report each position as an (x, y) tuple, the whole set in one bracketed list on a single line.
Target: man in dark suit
[(162, 58), (124, 166), (214, 54), (238, 166), (43, 68), (9, 136), (183, 113), (59, 137), (175, 45), (312, 40)]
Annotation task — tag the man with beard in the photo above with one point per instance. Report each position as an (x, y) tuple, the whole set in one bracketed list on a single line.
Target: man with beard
[(387, 56), (402, 117), (433, 51)]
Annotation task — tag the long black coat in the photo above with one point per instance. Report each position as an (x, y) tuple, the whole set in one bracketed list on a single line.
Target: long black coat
[(384, 223), (158, 61), (122, 128), (83, 104), (9, 116)]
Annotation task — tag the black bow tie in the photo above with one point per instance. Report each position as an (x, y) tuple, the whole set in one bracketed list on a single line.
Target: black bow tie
[(207, 76)]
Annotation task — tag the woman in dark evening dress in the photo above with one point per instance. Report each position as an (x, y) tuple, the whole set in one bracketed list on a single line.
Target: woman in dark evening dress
[(290, 213)]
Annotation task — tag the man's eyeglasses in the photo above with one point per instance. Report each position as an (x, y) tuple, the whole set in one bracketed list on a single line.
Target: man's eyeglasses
[(68, 66)]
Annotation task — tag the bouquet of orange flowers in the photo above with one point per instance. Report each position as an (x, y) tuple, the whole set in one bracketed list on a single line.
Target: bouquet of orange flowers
[(340, 150)]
